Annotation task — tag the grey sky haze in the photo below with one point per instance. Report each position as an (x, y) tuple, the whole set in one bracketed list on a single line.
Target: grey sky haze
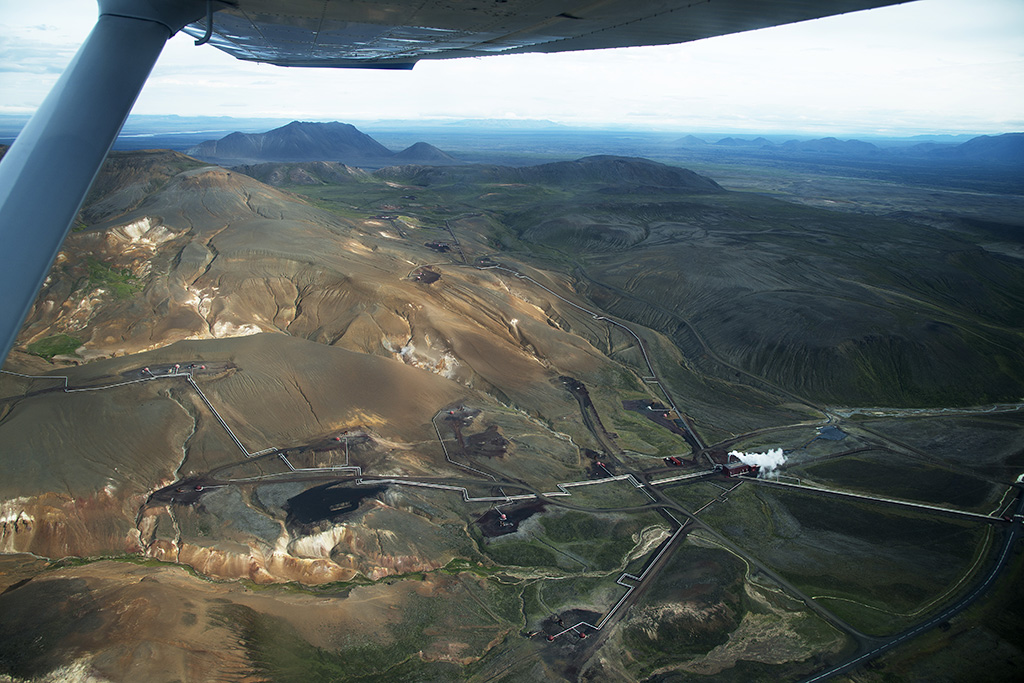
[(929, 66)]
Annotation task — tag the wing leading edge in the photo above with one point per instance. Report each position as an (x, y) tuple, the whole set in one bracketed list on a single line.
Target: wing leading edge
[(398, 33)]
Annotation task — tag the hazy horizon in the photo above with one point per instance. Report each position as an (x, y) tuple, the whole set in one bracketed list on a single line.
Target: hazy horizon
[(146, 125)]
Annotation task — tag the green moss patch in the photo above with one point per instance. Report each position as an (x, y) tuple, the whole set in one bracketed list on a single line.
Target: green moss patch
[(56, 345), (119, 282)]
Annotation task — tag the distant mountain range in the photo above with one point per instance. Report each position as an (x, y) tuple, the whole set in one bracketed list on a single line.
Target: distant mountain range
[(1007, 148), (1003, 149), (831, 146), (741, 142), (305, 141)]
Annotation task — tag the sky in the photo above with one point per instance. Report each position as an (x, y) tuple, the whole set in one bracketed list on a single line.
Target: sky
[(929, 66)]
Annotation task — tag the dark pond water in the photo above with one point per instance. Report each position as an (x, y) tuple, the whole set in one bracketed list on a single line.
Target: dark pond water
[(327, 502)]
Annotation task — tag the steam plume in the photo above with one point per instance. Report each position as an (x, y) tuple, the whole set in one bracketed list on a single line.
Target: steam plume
[(768, 462)]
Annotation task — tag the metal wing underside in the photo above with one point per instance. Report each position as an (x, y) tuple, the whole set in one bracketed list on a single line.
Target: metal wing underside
[(398, 33)]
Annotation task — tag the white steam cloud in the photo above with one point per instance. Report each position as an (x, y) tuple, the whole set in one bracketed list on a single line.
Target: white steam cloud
[(768, 462)]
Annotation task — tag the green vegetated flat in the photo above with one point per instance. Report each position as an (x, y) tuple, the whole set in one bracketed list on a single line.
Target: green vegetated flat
[(694, 495), (574, 541), (879, 567), (602, 542), (607, 496), (985, 634), (884, 475), (990, 444), (55, 345)]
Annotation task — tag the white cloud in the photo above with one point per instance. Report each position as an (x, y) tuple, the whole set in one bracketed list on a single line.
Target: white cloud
[(18, 55), (931, 65)]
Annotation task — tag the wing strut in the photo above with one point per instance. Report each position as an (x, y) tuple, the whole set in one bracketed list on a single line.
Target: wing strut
[(47, 172)]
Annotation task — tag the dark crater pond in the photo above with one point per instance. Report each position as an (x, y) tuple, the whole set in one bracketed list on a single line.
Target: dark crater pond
[(492, 524), (327, 502)]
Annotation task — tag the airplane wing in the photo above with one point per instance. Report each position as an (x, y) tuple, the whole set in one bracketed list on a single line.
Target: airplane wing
[(398, 33), (45, 175)]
